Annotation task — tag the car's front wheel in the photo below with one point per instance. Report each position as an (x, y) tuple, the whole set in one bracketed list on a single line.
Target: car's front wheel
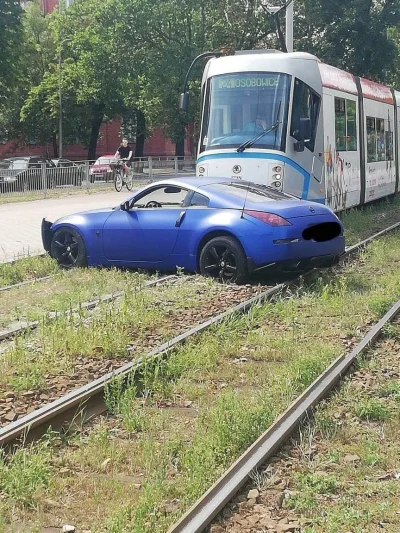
[(223, 258), (68, 248)]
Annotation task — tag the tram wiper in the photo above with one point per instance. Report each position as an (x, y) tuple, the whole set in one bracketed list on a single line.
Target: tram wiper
[(254, 139)]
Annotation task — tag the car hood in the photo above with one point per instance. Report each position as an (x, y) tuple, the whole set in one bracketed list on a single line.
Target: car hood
[(94, 215)]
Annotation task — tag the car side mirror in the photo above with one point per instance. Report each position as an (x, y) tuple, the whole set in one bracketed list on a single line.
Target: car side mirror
[(125, 206)]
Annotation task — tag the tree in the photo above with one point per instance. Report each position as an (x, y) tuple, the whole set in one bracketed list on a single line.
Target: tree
[(350, 34), (10, 38)]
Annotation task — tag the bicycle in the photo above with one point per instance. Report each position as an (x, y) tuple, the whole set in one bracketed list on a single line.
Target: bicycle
[(122, 175)]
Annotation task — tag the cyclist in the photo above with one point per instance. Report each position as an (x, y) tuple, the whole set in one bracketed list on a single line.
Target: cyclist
[(124, 152)]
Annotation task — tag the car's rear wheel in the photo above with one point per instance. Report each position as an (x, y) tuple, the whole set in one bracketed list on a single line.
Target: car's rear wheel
[(223, 258), (68, 249)]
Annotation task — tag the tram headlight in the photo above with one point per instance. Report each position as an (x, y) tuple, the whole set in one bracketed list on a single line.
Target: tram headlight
[(277, 177), (277, 184)]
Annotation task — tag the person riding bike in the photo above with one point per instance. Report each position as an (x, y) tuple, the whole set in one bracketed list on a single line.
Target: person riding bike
[(124, 152), (121, 171)]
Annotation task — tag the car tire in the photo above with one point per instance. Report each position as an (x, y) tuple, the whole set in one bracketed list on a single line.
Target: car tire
[(68, 248), (223, 258)]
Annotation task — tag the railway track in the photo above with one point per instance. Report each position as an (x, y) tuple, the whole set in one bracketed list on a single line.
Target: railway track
[(88, 400), (200, 515), (105, 298), (24, 283)]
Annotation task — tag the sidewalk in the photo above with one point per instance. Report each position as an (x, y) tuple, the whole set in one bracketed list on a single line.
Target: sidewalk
[(20, 223)]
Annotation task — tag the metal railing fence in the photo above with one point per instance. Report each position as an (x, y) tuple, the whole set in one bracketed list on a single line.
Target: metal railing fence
[(39, 180)]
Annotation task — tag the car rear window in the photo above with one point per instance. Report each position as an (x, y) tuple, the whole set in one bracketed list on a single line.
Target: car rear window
[(19, 164), (250, 191)]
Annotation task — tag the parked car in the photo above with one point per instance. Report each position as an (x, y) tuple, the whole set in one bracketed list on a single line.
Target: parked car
[(68, 172), (101, 169), (225, 228), (24, 173)]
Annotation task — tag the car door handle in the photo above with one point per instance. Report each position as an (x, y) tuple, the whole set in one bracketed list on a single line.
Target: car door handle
[(180, 218)]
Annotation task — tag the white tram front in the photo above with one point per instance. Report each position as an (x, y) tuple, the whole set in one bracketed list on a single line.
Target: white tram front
[(296, 124)]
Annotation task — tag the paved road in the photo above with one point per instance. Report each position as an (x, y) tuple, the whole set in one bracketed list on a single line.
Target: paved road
[(20, 222)]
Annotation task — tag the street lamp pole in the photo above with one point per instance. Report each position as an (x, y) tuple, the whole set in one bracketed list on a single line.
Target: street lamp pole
[(60, 131)]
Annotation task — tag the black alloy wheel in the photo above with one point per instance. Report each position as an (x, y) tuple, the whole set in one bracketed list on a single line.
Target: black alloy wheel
[(68, 248), (223, 258)]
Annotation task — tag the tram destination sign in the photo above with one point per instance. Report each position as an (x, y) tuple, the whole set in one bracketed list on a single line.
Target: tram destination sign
[(248, 82)]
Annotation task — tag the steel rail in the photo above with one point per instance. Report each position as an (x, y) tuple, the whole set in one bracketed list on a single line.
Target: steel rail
[(23, 326), (23, 283), (199, 516), (360, 244), (87, 401), (78, 399)]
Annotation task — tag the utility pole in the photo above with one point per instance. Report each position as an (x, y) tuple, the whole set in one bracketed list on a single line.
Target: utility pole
[(289, 26), (287, 45), (60, 128)]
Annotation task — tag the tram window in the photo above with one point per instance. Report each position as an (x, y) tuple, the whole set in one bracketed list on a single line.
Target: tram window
[(351, 126), (371, 140), (380, 139), (340, 124), (305, 105), (389, 145), (345, 125)]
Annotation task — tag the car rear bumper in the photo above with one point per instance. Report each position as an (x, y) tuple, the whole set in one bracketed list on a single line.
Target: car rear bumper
[(296, 265), (46, 234)]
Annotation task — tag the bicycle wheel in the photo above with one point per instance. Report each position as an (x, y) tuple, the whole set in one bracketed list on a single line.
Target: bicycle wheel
[(129, 180), (118, 181)]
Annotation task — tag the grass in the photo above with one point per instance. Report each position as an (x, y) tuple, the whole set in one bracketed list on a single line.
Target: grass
[(26, 269), (106, 332), (237, 378), (66, 290), (361, 223), (362, 423)]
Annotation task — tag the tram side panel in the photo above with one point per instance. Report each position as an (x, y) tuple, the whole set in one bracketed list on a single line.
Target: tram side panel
[(397, 139), (342, 149), (380, 169)]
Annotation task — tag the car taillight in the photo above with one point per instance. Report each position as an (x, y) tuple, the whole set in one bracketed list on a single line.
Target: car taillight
[(268, 218)]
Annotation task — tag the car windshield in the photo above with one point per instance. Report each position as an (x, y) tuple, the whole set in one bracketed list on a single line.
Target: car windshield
[(5, 164), (241, 106), (250, 191)]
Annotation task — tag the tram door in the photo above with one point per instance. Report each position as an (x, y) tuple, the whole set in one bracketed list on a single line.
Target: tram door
[(342, 149)]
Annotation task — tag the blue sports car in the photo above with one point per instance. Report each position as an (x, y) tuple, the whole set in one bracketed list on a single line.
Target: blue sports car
[(221, 227)]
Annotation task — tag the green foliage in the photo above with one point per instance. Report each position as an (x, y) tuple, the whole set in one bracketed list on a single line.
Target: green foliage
[(372, 409), (350, 34), (10, 40), (25, 474)]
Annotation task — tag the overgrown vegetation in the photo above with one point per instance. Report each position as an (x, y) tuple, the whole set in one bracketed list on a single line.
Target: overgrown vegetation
[(234, 380)]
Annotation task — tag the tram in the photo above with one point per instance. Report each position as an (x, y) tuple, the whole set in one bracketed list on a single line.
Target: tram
[(289, 121)]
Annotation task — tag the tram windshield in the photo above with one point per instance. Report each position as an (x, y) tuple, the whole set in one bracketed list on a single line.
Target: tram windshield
[(241, 106)]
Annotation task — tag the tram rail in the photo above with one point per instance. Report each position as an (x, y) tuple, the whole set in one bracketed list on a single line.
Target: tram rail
[(105, 298), (84, 403), (199, 516)]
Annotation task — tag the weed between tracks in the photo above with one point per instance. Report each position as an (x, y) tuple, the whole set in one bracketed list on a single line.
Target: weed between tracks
[(341, 472), (137, 320), (186, 419), (66, 290), (25, 269)]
